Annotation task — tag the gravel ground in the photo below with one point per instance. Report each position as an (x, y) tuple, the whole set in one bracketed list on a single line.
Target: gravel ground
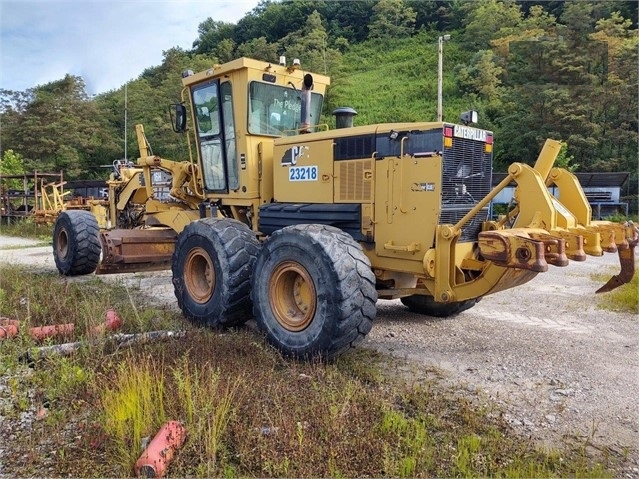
[(555, 363)]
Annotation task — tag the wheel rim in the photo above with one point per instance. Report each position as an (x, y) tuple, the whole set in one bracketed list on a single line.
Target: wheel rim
[(62, 244), (199, 275), (292, 296)]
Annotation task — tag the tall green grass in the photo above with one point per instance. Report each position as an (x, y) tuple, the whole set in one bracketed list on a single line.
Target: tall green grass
[(247, 411), (133, 408), (625, 298), (139, 399), (27, 228), (396, 81)]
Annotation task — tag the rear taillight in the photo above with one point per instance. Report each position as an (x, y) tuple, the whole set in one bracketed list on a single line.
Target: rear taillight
[(448, 137), (488, 147)]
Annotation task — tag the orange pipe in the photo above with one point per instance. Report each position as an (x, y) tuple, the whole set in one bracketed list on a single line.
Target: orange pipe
[(156, 457), (112, 322), (44, 332), (8, 328)]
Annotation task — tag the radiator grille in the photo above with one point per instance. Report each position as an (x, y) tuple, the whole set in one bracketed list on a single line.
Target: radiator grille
[(355, 180), (471, 229), (466, 179)]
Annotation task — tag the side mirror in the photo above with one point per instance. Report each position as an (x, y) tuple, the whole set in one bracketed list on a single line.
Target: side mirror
[(179, 121)]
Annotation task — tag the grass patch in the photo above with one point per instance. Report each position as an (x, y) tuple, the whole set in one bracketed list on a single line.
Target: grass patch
[(27, 228), (144, 394), (623, 299), (36, 245), (247, 411), (47, 298)]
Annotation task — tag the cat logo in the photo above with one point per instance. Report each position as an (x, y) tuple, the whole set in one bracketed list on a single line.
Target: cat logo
[(293, 154)]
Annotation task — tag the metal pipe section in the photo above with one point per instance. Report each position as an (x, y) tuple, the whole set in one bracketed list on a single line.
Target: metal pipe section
[(155, 460), (487, 199), (305, 97)]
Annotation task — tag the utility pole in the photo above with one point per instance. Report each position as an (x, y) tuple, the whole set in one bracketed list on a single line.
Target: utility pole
[(440, 69), (125, 118)]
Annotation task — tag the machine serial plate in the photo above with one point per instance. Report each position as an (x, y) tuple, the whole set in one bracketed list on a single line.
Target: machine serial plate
[(303, 173)]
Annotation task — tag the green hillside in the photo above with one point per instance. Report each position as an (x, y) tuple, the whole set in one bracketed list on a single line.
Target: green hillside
[(397, 81), (532, 69)]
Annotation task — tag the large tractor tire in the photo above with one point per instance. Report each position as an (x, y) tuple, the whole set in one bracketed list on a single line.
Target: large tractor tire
[(212, 266), (427, 305), (313, 291), (76, 243)]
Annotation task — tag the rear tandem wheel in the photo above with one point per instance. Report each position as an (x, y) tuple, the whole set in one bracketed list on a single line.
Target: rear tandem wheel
[(313, 291), (427, 305), (212, 265)]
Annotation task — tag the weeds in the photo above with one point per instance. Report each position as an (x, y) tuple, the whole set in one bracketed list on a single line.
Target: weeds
[(209, 403), (246, 410), (413, 449), (133, 408), (27, 228), (621, 218), (625, 298)]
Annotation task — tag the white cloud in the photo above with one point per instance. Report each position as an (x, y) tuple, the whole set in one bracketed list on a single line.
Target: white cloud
[(106, 42)]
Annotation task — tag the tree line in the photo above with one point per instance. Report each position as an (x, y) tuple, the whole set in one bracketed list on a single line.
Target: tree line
[(533, 69)]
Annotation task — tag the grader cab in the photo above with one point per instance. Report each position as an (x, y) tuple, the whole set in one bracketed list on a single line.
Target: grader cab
[(275, 216)]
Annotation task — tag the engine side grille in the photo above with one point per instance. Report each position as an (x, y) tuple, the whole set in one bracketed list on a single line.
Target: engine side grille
[(354, 147), (354, 183), (466, 179)]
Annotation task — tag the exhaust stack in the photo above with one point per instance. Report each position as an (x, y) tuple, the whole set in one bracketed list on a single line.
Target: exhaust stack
[(344, 117), (305, 96)]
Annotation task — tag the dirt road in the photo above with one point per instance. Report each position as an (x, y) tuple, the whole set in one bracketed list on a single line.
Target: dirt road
[(556, 363)]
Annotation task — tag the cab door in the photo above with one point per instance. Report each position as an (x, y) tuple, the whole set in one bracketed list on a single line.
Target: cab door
[(215, 124)]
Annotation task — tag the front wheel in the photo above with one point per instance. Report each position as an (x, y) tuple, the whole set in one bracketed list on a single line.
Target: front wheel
[(76, 243), (313, 291), (427, 305), (212, 266)]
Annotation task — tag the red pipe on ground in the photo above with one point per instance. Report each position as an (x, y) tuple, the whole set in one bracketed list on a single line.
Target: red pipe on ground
[(156, 457), (8, 328), (43, 332), (112, 322)]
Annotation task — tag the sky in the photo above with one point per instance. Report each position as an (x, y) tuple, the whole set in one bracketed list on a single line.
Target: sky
[(107, 43)]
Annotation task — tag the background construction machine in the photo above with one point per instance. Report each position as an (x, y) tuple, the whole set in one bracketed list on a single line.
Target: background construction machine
[(305, 228)]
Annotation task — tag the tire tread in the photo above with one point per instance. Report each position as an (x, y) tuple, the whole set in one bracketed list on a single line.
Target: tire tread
[(239, 247), (84, 246), (354, 288)]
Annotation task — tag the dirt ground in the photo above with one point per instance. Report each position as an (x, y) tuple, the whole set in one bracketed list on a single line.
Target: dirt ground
[(558, 365), (544, 351)]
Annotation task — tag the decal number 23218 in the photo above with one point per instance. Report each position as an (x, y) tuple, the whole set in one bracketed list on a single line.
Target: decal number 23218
[(302, 173)]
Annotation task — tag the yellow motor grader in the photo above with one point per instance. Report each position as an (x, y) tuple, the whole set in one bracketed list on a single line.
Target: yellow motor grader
[(305, 228)]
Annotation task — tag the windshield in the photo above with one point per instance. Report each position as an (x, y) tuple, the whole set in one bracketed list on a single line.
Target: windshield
[(275, 110)]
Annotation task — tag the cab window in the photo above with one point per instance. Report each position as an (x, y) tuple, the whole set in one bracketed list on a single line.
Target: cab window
[(215, 124), (275, 110)]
